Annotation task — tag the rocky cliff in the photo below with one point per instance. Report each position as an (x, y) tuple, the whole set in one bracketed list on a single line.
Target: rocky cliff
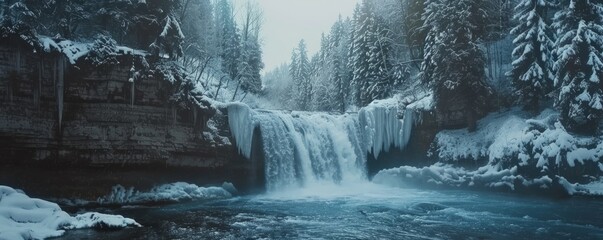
[(68, 131)]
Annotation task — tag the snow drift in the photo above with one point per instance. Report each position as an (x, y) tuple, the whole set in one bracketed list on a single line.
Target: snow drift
[(22, 217)]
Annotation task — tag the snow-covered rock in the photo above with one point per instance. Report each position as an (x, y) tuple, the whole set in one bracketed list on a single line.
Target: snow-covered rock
[(22, 217), (173, 192)]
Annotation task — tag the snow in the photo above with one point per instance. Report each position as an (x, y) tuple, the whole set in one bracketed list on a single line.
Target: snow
[(593, 188), (510, 135), (508, 143), (130, 51), (75, 50), (486, 177), (22, 217), (498, 136), (101, 221), (174, 192), (424, 104)]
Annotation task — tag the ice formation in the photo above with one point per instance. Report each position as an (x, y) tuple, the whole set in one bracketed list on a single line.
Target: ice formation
[(382, 127), (22, 217), (174, 192), (303, 148)]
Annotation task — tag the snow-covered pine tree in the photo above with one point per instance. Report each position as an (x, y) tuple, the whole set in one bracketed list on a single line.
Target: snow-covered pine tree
[(65, 17), (532, 74), (321, 70), (579, 67), (360, 48), (229, 39), (339, 81), (300, 73), (413, 26), (381, 81), (17, 22), (457, 62), (369, 56), (251, 66), (429, 18), (303, 74), (170, 39)]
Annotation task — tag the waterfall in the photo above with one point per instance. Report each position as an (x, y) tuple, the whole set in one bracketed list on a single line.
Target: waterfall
[(302, 149)]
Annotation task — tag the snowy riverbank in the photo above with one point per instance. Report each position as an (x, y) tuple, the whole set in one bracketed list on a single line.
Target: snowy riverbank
[(511, 150), (22, 217)]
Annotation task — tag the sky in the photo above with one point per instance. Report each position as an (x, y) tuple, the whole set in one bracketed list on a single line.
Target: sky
[(286, 22)]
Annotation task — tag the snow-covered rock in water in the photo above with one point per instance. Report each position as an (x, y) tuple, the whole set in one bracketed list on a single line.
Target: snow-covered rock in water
[(101, 221), (22, 217), (174, 192), (487, 177)]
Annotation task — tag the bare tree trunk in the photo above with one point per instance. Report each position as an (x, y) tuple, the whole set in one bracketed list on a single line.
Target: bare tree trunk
[(203, 68), (219, 86)]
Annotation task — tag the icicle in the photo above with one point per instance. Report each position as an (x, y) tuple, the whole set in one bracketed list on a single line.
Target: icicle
[(60, 84), (241, 127)]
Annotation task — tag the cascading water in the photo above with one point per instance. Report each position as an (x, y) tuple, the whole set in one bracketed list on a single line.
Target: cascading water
[(302, 149)]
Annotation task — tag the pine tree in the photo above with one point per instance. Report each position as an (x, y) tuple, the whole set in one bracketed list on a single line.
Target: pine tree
[(229, 39), (65, 17), (251, 66), (579, 65), (370, 56), (18, 22), (532, 75), (300, 73), (169, 40), (413, 26), (430, 16), (359, 52), (381, 81), (457, 62), (339, 81)]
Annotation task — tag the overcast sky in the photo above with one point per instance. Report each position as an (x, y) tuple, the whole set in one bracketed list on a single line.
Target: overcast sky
[(288, 21)]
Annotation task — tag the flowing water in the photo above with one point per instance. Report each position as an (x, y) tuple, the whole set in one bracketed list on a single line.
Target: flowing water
[(365, 211)]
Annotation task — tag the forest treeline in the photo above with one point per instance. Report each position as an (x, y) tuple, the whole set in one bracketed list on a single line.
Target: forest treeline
[(455, 50)]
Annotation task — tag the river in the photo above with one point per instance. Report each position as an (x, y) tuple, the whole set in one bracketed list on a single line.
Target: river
[(365, 211)]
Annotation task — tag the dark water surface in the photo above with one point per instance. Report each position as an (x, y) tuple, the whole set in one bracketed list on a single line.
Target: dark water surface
[(365, 211)]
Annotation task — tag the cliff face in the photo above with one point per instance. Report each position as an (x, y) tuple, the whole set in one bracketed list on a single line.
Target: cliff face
[(59, 121), (97, 134)]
